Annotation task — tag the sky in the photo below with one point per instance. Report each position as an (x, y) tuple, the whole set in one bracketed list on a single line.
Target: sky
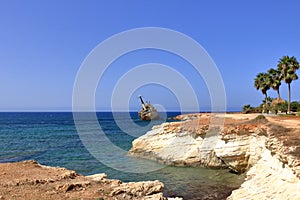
[(43, 45)]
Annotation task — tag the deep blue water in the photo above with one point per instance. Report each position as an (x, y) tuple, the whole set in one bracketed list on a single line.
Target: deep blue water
[(52, 139)]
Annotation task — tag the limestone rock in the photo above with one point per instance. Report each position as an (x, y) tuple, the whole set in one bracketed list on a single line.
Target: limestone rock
[(73, 186), (169, 145), (239, 153), (97, 177), (268, 179), (236, 147), (69, 174), (142, 190), (270, 152), (284, 154)]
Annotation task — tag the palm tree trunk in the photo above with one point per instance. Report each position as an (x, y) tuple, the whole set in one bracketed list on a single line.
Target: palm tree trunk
[(289, 98), (266, 103), (278, 93)]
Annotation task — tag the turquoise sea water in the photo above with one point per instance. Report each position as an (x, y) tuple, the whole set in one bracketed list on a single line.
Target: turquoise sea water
[(51, 139)]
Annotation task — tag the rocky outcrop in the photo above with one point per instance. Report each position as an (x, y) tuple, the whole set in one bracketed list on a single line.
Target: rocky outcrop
[(168, 146), (269, 152), (30, 180), (287, 154), (269, 178), (180, 143), (147, 189), (241, 151), (276, 174)]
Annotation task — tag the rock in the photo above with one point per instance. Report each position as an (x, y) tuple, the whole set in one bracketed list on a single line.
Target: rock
[(69, 174), (239, 153), (268, 179), (97, 177), (270, 153), (169, 145), (34, 162), (284, 153), (176, 143), (30, 180), (139, 189), (73, 186)]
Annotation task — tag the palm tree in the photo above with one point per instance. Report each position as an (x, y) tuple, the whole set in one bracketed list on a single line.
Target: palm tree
[(267, 101), (275, 80), (287, 67), (262, 82)]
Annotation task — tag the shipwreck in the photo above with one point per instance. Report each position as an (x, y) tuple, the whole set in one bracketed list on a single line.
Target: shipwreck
[(148, 112)]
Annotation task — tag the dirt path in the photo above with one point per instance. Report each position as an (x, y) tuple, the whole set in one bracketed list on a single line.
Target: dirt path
[(287, 121)]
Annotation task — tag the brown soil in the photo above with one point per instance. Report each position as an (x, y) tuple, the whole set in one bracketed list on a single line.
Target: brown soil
[(285, 128), (29, 180), (199, 124)]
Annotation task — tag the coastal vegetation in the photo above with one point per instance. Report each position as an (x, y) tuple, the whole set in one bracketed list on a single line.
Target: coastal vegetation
[(285, 72)]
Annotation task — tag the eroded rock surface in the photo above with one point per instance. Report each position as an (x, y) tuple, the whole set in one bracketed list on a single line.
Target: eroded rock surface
[(269, 179), (276, 175), (267, 149), (30, 180), (187, 143)]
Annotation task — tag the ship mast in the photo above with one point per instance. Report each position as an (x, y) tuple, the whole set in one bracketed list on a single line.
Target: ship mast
[(143, 104)]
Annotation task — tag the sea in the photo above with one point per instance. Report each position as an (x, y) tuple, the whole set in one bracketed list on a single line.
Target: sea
[(53, 139)]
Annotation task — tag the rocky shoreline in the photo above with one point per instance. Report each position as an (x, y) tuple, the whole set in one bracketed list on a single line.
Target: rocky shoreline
[(266, 148), (30, 180)]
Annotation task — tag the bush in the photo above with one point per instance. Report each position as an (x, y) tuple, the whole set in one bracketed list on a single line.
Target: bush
[(249, 109), (282, 107), (246, 108), (259, 117), (295, 106)]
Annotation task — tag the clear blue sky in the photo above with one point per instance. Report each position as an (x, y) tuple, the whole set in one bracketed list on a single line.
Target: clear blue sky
[(43, 43)]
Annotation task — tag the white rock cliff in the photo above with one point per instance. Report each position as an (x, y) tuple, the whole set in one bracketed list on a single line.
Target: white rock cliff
[(169, 144), (272, 173)]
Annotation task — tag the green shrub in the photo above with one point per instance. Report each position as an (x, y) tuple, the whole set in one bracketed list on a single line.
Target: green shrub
[(295, 106), (246, 108), (259, 117), (282, 107)]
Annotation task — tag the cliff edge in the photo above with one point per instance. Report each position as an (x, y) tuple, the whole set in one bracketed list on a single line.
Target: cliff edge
[(267, 148)]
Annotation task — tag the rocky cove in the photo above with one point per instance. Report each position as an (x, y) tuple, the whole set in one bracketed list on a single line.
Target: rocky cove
[(266, 149)]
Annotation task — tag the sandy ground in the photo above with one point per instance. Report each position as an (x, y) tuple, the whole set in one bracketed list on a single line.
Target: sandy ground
[(286, 121)]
